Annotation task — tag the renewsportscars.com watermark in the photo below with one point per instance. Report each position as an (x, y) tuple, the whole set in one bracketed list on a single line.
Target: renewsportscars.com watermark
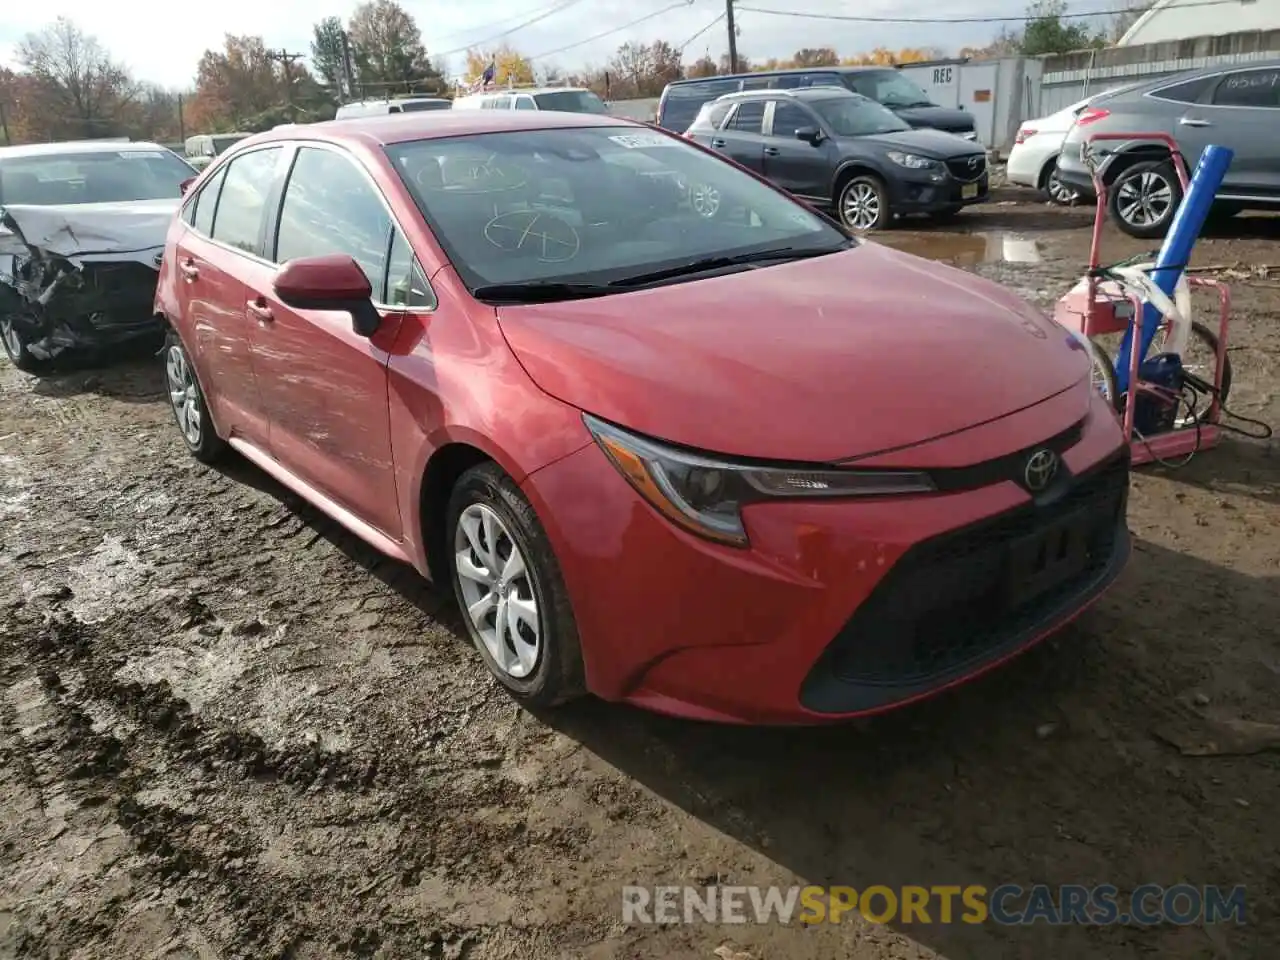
[(1008, 904)]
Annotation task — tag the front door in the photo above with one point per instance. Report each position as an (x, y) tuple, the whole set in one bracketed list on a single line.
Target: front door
[(1243, 113), (324, 385), (797, 166)]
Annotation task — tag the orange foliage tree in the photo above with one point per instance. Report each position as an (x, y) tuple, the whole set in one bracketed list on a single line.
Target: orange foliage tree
[(510, 66)]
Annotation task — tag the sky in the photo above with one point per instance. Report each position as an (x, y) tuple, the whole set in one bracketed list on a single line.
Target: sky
[(163, 43)]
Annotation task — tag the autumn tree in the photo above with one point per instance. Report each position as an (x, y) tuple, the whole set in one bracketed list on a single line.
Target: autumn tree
[(643, 69), (386, 46), (244, 87), (328, 56), (510, 66), (815, 57), (744, 65), (1047, 33), (81, 91), (704, 66)]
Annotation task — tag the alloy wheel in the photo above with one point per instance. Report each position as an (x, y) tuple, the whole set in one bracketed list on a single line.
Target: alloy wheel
[(183, 394), (12, 339), (1059, 192), (705, 200), (1145, 200), (497, 591), (860, 207)]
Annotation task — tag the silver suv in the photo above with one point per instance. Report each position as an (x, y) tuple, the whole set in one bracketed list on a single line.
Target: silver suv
[(1230, 106)]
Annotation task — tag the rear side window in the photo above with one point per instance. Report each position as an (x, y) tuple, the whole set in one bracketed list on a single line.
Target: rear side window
[(682, 101), (711, 116), (331, 207), (748, 118), (525, 103), (206, 203), (1188, 91), (245, 187), (1249, 88)]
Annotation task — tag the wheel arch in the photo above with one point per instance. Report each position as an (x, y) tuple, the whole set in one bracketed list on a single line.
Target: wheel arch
[(850, 169), (1132, 156)]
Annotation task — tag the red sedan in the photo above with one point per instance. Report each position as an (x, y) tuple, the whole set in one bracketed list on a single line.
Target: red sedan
[(671, 437)]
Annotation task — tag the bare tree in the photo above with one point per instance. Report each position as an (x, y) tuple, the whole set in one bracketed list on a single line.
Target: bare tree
[(87, 92)]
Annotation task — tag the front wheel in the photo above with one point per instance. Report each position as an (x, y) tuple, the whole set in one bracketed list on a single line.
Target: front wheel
[(863, 204), (17, 350), (510, 590), (1144, 198)]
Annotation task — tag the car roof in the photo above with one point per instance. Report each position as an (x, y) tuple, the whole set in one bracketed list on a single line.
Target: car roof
[(830, 92), (382, 130), (788, 71), (77, 146)]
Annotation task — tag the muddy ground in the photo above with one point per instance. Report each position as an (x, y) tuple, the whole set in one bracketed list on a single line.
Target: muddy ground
[(229, 730)]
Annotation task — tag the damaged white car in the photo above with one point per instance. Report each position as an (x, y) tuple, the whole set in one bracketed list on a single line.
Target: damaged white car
[(82, 229)]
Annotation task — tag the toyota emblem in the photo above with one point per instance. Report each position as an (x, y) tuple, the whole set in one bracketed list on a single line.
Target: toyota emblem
[(1042, 467)]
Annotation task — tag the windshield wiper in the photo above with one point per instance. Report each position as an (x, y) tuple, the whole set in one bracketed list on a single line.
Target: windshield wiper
[(540, 291), (717, 263)]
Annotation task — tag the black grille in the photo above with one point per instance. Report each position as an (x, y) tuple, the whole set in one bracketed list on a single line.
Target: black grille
[(968, 595), (968, 168)]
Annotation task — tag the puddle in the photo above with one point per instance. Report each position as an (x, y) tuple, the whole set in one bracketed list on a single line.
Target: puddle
[(966, 249)]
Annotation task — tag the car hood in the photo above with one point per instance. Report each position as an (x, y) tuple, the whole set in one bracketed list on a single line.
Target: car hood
[(88, 231), (816, 360), (940, 118), (929, 143)]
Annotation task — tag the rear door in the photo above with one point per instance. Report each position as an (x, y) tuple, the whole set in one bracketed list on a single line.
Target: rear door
[(222, 240), (324, 386), (741, 136), (1243, 113), (797, 165)]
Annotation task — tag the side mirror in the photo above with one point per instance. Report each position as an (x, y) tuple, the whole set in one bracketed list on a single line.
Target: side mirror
[(810, 135), (185, 185), (332, 282)]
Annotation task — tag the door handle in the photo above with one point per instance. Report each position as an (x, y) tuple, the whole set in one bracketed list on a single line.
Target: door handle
[(1195, 122), (259, 309), (188, 268), (772, 152), (717, 142)]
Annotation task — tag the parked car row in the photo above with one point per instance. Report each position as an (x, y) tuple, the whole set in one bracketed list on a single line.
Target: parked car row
[(1236, 107)]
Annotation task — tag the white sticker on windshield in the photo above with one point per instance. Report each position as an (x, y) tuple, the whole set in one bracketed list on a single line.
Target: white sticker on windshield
[(141, 155), (633, 141)]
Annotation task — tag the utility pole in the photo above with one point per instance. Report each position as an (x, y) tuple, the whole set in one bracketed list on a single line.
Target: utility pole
[(4, 125), (348, 72), (182, 123), (733, 36), (286, 59)]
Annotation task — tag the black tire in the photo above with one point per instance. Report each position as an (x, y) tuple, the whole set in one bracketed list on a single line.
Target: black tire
[(15, 348), (557, 675), (857, 190), (1104, 373), (1149, 194), (205, 444), (1054, 190)]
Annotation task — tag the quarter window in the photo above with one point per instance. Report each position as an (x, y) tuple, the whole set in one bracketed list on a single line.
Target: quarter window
[(407, 285), (1188, 91), (243, 198), (330, 207)]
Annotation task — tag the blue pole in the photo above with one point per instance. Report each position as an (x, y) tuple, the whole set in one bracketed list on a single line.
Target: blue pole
[(1176, 251)]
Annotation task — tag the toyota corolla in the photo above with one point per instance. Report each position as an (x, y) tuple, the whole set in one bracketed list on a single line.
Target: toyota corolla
[(741, 467)]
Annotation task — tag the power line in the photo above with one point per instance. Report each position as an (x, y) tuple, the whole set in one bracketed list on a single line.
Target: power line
[(853, 18), (506, 33), (682, 46), (684, 4), (494, 23)]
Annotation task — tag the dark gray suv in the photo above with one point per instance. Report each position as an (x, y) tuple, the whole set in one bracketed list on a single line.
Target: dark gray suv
[(1236, 107), (843, 151)]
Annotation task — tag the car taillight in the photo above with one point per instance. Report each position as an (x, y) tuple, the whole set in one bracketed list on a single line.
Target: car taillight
[(1024, 134), (1090, 114)]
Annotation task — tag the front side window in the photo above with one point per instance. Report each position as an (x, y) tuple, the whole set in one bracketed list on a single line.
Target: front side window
[(890, 87), (858, 117), (1249, 88), (243, 199), (593, 205), (571, 101), (788, 118), (106, 176), (331, 207)]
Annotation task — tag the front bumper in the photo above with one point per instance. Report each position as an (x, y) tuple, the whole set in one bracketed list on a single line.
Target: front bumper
[(919, 194), (829, 614)]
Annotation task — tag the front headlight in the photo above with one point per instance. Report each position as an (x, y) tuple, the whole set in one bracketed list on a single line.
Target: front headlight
[(911, 161), (705, 494)]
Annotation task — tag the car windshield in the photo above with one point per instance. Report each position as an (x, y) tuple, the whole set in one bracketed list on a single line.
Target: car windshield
[(595, 205), (570, 101), (107, 176), (889, 87), (857, 116)]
